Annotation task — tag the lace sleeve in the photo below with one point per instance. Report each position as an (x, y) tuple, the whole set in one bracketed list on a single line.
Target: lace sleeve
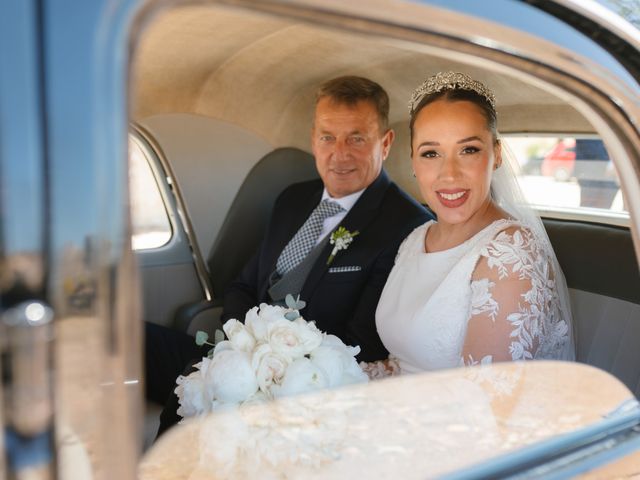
[(381, 368), (514, 305)]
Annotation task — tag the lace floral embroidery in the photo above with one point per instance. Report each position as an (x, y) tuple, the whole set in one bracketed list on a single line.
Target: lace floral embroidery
[(497, 383), (481, 299), (538, 329)]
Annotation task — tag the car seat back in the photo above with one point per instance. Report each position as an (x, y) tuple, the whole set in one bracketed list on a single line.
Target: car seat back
[(601, 269), (244, 225)]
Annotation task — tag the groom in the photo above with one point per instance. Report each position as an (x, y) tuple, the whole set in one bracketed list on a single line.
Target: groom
[(341, 282), (350, 140)]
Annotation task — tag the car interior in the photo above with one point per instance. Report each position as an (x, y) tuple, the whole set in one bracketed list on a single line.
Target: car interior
[(221, 104)]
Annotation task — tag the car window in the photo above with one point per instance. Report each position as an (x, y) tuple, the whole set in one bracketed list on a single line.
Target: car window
[(567, 174), (150, 223)]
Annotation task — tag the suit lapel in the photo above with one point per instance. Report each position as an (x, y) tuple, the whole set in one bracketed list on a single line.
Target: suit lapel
[(360, 215), (306, 207)]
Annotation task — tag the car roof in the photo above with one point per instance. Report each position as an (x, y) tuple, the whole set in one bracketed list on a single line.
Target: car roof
[(260, 72)]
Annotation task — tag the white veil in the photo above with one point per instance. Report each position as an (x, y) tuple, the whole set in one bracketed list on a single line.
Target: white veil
[(507, 194)]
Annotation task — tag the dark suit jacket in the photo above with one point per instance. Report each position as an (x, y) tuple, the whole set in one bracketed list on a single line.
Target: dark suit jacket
[(341, 303)]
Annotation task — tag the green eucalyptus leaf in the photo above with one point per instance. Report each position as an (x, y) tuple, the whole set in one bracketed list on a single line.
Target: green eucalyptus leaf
[(292, 315), (219, 337), (291, 303), (201, 338)]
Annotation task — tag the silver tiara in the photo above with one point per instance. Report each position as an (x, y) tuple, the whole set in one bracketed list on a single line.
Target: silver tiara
[(450, 81)]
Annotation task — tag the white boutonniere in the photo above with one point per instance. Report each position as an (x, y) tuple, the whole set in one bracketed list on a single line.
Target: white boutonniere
[(341, 239)]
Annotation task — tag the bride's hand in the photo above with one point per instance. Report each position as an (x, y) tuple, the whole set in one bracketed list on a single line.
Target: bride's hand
[(381, 368)]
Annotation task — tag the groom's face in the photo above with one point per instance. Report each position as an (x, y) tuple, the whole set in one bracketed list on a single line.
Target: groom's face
[(349, 145)]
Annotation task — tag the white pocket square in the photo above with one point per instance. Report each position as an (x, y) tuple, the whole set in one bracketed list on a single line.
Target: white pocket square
[(351, 268)]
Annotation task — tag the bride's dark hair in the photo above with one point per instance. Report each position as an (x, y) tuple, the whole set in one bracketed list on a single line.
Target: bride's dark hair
[(458, 95)]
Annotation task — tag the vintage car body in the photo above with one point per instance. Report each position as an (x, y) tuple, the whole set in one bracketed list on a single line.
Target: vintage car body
[(220, 93)]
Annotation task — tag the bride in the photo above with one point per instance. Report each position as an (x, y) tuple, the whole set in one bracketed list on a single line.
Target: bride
[(482, 283)]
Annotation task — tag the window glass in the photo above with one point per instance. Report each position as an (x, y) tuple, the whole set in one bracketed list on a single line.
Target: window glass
[(568, 173), (150, 222)]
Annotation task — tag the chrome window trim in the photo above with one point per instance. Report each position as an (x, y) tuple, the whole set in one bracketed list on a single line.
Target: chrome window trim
[(601, 25), (181, 209), (163, 191), (171, 251), (585, 214), (567, 455)]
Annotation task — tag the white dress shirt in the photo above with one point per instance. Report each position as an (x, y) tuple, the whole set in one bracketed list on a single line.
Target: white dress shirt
[(330, 224)]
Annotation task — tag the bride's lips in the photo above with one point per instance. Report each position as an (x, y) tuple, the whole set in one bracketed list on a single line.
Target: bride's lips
[(453, 198)]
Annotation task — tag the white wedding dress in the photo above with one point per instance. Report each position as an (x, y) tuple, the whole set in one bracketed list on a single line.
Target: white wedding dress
[(499, 286)]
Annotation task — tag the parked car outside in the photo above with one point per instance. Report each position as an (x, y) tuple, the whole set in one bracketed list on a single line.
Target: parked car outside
[(560, 161)]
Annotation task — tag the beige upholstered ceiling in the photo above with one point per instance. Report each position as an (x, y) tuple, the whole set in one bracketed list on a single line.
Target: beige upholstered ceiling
[(261, 72)]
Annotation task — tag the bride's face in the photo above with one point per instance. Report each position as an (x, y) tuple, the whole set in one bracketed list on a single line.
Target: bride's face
[(454, 155)]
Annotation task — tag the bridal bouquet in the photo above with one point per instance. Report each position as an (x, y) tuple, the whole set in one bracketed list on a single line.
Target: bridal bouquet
[(275, 353)]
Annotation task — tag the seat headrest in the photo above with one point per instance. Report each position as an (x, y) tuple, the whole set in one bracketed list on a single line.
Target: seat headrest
[(244, 225)]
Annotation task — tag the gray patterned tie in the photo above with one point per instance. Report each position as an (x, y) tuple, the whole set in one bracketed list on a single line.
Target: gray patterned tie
[(305, 239)]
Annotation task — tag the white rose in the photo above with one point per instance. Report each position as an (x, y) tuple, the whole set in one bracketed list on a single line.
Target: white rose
[(238, 335), (353, 373), (256, 324), (330, 362), (271, 313), (230, 378), (338, 361), (192, 394), (223, 345), (301, 376), (335, 342), (269, 367), (258, 319), (309, 335), (339, 365), (192, 397), (285, 340)]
